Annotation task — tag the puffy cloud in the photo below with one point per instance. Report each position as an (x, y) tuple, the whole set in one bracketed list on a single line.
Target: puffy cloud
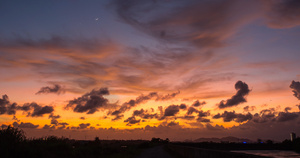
[(264, 116), (232, 116), (198, 103), (25, 125), (295, 86), (132, 103), (144, 114), (132, 120), (142, 99), (238, 98), (191, 110), (249, 108), (182, 106), (55, 89), (6, 107), (54, 116), (89, 102), (84, 125), (54, 122), (286, 116), (40, 110), (171, 110)]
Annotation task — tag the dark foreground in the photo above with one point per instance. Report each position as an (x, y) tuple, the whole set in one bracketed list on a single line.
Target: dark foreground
[(13, 143)]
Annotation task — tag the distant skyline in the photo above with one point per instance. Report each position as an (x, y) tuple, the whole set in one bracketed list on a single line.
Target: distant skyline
[(139, 69)]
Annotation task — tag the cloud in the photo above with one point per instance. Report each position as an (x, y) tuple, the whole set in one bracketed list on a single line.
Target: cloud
[(191, 110), (238, 98), (283, 13), (295, 86), (142, 99), (298, 106), (25, 125), (249, 108), (55, 89), (89, 102), (84, 125), (167, 97), (178, 23), (182, 106), (49, 127), (172, 123), (54, 116), (171, 110), (132, 120), (197, 103), (82, 118), (264, 116), (132, 103), (232, 116), (286, 116), (6, 107), (39, 110)]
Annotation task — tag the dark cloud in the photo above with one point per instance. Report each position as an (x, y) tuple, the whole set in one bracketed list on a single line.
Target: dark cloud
[(295, 86), (238, 98), (200, 119), (142, 99), (298, 106), (202, 113), (55, 89), (117, 117), (25, 125), (40, 110), (287, 109), (198, 103), (84, 125), (54, 122), (171, 110), (249, 108), (82, 118), (132, 103), (217, 116), (54, 116), (264, 116), (172, 123), (286, 116), (16, 119), (182, 106), (191, 110), (138, 112), (6, 107), (283, 13), (49, 127), (242, 118), (89, 102), (132, 120), (232, 116), (144, 114)]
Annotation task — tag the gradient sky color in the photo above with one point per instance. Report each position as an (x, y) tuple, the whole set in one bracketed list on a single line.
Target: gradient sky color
[(139, 69)]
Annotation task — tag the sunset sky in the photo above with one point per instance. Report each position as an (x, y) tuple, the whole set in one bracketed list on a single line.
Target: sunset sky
[(137, 69)]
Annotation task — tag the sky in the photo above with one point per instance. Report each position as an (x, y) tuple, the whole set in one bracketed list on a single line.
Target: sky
[(139, 69)]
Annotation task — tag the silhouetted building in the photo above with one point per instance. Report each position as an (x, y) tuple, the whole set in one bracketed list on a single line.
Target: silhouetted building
[(293, 136)]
